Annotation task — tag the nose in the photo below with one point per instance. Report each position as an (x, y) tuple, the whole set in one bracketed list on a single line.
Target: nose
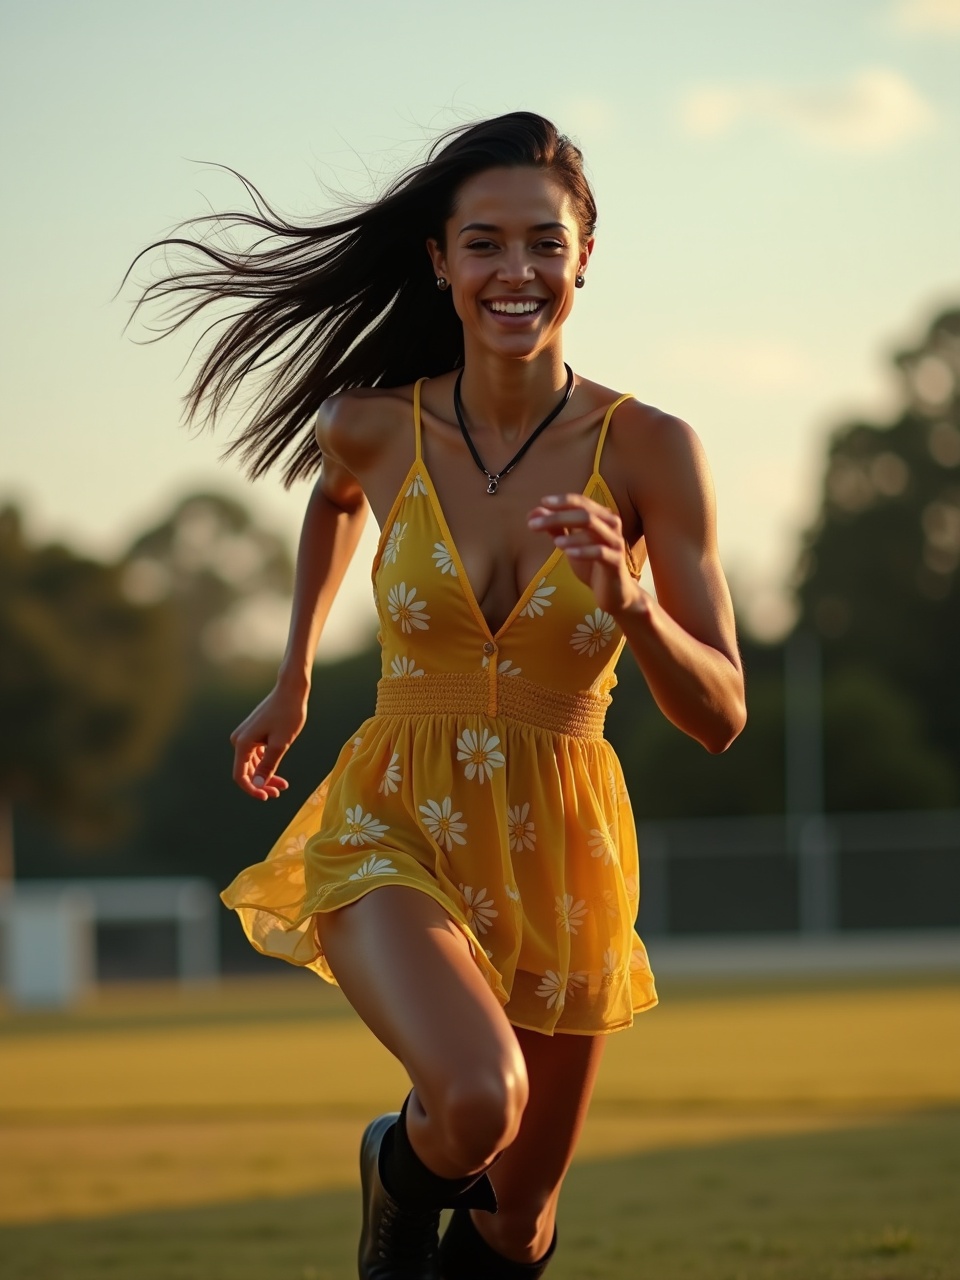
[(516, 268)]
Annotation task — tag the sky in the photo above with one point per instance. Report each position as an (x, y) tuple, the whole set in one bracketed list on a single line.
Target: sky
[(779, 195)]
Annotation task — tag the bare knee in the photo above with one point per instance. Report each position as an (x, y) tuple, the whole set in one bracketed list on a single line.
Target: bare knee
[(478, 1116)]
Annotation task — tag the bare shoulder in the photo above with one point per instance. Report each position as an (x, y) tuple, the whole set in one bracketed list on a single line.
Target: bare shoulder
[(638, 425), (658, 451), (656, 466), (359, 427)]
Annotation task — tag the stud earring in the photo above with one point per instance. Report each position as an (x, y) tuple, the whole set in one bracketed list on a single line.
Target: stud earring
[(442, 283), (579, 281)]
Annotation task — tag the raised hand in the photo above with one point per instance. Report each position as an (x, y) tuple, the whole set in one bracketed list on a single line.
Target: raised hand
[(262, 740), (592, 537)]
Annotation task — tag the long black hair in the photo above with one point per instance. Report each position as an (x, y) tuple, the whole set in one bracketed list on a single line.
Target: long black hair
[(347, 303)]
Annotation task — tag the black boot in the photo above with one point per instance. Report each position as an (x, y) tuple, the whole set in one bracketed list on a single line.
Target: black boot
[(402, 1200), (465, 1255)]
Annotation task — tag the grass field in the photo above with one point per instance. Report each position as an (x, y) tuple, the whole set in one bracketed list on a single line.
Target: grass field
[(788, 1131)]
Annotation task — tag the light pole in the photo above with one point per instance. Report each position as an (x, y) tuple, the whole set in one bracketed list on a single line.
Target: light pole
[(810, 838)]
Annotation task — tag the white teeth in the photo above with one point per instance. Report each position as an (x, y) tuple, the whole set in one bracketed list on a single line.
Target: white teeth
[(515, 308)]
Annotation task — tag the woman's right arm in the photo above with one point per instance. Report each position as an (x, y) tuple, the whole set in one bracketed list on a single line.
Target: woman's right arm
[(334, 520)]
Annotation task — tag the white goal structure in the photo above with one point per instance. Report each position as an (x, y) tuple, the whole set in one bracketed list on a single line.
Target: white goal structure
[(49, 930)]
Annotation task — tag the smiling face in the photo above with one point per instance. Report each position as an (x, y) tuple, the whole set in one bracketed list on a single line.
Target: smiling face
[(512, 253)]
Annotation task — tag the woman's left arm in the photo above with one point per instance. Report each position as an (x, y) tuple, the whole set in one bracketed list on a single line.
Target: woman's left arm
[(684, 640)]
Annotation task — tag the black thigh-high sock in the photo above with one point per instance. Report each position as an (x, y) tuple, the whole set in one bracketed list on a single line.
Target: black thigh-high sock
[(412, 1184)]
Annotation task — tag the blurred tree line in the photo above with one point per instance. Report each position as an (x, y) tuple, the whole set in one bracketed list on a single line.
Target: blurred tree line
[(119, 684), (89, 690), (876, 580)]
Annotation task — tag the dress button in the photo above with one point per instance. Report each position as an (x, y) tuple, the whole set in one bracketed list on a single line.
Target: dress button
[(489, 647)]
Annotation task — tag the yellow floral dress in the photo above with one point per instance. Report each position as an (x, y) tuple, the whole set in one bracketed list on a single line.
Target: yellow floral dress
[(483, 779)]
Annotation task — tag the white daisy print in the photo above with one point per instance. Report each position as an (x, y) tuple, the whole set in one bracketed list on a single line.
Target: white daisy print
[(402, 666), (539, 601), (504, 668), (391, 777), (611, 904), (443, 559), (479, 749), (320, 794), (522, 833), (512, 892), (444, 825), (392, 549), (556, 991), (612, 787), (416, 488), (593, 633), (553, 989), (570, 914), (637, 960), (478, 908), (362, 828), (601, 846), (611, 964), (356, 744), (374, 866), (406, 609), (632, 886), (574, 981), (296, 844)]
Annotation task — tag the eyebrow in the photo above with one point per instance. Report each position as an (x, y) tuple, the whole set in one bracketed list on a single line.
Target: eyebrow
[(490, 226)]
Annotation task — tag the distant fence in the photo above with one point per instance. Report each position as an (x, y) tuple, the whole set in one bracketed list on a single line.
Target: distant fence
[(815, 875)]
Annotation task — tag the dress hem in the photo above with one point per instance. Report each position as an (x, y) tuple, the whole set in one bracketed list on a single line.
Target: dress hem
[(320, 966)]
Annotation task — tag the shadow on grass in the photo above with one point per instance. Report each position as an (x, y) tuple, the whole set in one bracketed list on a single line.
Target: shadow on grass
[(857, 1204)]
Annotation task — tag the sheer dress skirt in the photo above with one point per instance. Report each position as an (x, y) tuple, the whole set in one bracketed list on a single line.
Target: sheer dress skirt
[(523, 834)]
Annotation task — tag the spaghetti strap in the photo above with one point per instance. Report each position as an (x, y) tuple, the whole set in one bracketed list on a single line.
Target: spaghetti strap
[(416, 415), (603, 430)]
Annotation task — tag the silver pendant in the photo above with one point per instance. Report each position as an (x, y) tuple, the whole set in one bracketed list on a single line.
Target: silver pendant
[(492, 486)]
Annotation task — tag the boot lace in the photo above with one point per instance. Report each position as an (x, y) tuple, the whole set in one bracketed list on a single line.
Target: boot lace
[(406, 1235)]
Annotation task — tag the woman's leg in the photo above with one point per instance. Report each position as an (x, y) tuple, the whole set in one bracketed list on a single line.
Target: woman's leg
[(406, 968), (562, 1070)]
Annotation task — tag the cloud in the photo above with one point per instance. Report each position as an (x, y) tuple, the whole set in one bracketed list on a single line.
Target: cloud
[(872, 110), (927, 15), (746, 366)]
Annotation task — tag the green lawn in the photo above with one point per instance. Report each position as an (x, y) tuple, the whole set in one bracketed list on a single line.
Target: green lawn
[(795, 1131), (874, 1203)]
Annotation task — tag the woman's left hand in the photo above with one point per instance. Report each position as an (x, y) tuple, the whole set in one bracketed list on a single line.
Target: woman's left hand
[(592, 537)]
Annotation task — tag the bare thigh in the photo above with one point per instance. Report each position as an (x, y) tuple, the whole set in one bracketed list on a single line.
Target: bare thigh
[(562, 1071), (406, 968)]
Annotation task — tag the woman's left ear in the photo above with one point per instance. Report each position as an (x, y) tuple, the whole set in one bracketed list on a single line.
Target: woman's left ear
[(585, 252)]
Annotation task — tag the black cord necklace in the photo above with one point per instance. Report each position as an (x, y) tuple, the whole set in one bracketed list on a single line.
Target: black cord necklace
[(493, 481)]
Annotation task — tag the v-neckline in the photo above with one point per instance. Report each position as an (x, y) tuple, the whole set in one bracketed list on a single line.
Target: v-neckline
[(469, 594), (419, 469)]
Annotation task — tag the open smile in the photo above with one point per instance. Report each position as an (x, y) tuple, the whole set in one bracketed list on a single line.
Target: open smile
[(514, 307)]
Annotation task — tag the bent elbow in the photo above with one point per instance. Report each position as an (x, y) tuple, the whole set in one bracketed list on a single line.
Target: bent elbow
[(727, 729)]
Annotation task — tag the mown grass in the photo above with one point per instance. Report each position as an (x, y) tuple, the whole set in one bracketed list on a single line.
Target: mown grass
[(789, 1132), (874, 1203)]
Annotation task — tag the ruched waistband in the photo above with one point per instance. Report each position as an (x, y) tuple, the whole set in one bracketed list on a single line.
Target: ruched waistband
[(581, 715)]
